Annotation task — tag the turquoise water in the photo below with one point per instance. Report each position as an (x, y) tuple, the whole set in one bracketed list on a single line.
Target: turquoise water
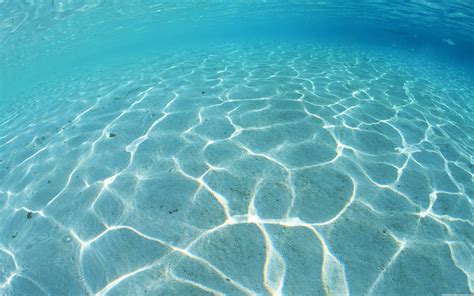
[(236, 148)]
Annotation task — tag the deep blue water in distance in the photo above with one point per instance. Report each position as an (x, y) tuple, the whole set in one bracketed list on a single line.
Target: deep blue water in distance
[(236, 147)]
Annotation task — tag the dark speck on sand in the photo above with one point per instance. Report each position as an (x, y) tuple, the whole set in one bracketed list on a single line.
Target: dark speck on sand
[(29, 215), (203, 92), (111, 135)]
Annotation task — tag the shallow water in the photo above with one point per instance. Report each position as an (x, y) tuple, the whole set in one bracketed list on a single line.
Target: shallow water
[(263, 165)]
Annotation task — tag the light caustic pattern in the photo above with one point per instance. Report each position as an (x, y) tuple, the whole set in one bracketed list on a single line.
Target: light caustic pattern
[(296, 170)]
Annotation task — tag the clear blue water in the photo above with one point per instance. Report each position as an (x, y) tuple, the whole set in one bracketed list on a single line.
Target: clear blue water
[(236, 148)]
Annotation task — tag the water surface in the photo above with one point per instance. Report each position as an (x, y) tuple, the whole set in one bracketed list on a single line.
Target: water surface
[(253, 148)]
